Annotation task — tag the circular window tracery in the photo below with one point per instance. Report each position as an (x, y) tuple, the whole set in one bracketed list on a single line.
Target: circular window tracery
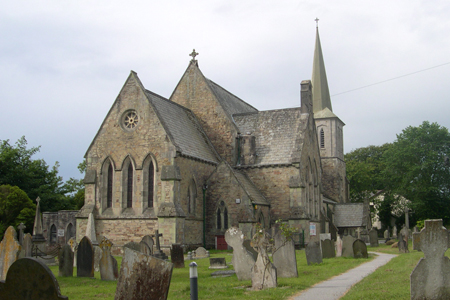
[(131, 120)]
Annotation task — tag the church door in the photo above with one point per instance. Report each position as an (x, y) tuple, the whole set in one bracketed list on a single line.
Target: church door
[(221, 244)]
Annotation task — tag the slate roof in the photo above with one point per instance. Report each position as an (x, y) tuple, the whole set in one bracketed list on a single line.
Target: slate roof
[(230, 103), (250, 189), (278, 134), (349, 215), (183, 128)]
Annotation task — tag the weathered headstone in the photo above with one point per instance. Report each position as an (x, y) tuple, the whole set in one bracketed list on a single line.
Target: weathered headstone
[(143, 277), (338, 246), (394, 232), (402, 244), (27, 246), (30, 279), (347, 246), (177, 256), (21, 228), (430, 279), (90, 230), (108, 264), (65, 258), (149, 241), (264, 273), (313, 253), (327, 249), (74, 246), (158, 253), (359, 249), (243, 260), (223, 273), (248, 246), (373, 237), (325, 236), (144, 248), (9, 251), (133, 245), (200, 253), (97, 257), (284, 256), (85, 258), (217, 263)]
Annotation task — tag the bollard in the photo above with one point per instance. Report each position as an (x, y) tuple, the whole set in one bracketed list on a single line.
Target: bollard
[(193, 274)]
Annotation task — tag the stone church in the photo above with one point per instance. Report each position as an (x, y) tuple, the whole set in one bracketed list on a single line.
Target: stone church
[(204, 160)]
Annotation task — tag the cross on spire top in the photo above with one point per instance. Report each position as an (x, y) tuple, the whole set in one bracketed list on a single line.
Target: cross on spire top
[(317, 22), (193, 54)]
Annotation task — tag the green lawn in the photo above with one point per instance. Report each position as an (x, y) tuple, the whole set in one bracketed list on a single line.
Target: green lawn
[(214, 288)]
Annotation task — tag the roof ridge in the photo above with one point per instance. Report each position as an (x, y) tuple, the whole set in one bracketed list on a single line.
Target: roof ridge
[(209, 80)]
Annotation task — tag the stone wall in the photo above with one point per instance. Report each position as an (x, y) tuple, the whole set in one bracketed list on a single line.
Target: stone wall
[(64, 221)]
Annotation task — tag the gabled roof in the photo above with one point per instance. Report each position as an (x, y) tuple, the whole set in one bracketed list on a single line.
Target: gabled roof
[(229, 102), (349, 215), (278, 133), (250, 189), (183, 129)]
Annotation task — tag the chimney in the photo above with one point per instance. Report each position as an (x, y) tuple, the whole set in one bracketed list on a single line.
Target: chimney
[(306, 97)]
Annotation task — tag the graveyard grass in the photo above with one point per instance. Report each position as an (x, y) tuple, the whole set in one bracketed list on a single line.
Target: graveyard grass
[(82, 288)]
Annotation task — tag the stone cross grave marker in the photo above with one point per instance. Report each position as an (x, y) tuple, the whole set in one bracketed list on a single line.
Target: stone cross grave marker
[(9, 251), (65, 259), (347, 246), (242, 260), (430, 279), (402, 244), (30, 279), (313, 253), (85, 258), (284, 256), (108, 264), (143, 277), (360, 249), (338, 246), (74, 246), (358, 232), (177, 256), (373, 237), (328, 250), (21, 228), (158, 253)]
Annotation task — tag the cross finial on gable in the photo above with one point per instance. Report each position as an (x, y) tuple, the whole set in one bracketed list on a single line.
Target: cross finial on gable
[(193, 54), (317, 22)]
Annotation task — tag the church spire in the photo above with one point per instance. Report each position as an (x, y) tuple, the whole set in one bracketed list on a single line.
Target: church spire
[(321, 94)]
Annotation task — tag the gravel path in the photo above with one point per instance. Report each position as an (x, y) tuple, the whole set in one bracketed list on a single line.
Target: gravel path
[(336, 287)]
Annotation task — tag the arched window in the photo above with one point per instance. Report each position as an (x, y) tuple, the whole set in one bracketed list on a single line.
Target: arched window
[(130, 186), (53, 234), (150, 187), (109, 187), (70, 232), (219, 220), (192, 195), (225, 218), (322, 138)]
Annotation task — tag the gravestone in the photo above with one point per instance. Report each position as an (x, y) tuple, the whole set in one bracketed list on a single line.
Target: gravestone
[(325, 236), (313, 253), (74, 246), (65, 258), (405, 233), (284, 256), (394, 232), (218, 263), (90, 230), (359, 249), (158, 253), (177, 256), (85, 258), (248, 246), (201, 253), (223, 273), (338, 246), (9, 251), (149, 241), (27, 246), (21, 228), (97, 257), (430, 279), (144, 248), (242, 260), (108, 264), (327, 249), (133, 246), (373, 237), (347, 246), (402, 244), (143, 277), (30, 279), (264, 273)]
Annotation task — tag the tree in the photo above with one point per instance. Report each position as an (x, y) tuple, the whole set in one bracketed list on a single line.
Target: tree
[(365, 171), (33, 176), (15, 208), (415, 166)]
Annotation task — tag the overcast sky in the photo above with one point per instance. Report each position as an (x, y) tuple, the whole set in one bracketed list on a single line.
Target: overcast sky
[(62, 64)]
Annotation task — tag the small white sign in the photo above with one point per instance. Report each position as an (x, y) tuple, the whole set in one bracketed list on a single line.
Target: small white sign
[(312, 229), (238, 201), (60, 232)]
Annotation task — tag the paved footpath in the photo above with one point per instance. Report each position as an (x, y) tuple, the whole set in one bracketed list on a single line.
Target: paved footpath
[(336, 287)]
